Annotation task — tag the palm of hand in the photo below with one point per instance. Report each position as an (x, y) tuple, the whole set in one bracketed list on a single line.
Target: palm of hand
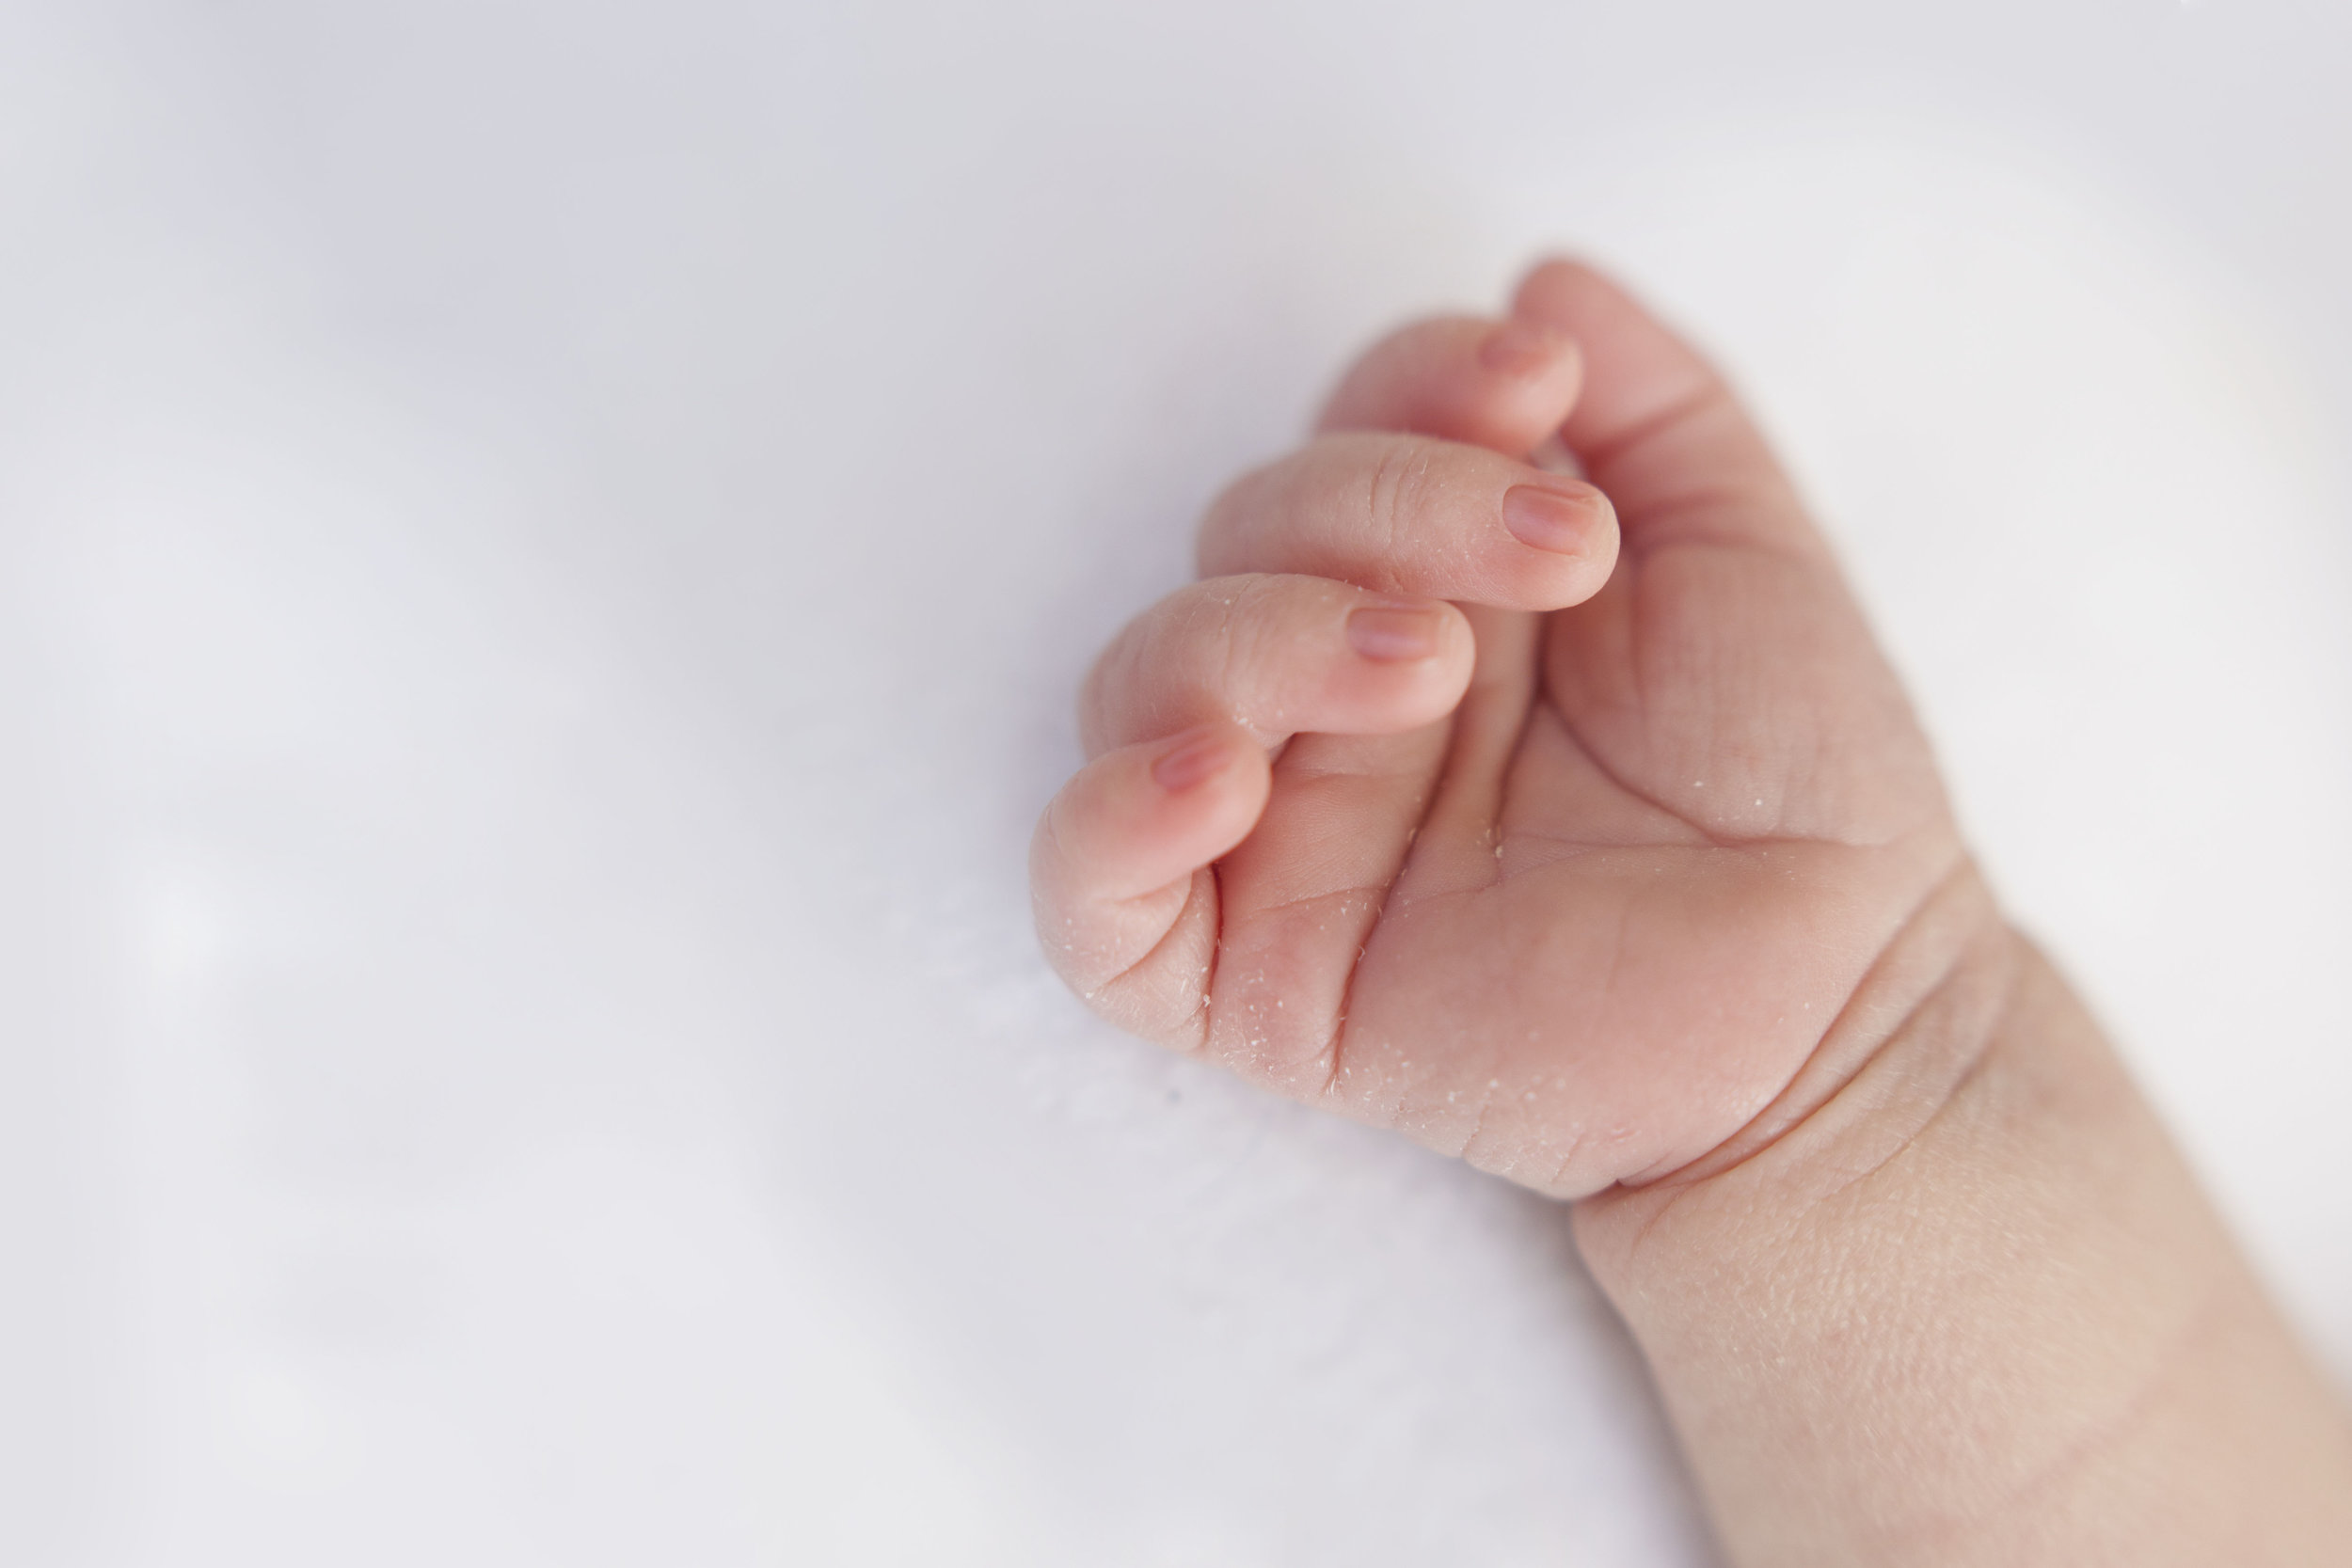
[(1669, 830), (1587, 926)]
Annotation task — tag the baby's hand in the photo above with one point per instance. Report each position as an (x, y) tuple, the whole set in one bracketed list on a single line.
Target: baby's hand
[(1597, 877), (1572, 876)]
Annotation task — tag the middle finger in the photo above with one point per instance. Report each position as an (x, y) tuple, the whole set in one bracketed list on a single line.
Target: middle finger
[(1414, 514)]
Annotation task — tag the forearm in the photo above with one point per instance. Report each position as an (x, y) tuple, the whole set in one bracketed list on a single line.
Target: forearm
[(1971, 1309)]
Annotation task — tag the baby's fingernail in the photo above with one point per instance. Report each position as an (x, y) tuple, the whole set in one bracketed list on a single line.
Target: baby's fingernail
[(1549, 519), (1392, 633), (1190, 759), (1522, 347)]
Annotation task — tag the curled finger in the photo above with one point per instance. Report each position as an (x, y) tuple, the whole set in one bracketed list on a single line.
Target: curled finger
[(1414, 514), (1127, 906), (1278, 655)]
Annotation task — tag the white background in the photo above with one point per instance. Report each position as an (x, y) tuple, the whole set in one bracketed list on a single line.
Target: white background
[(543, 548)]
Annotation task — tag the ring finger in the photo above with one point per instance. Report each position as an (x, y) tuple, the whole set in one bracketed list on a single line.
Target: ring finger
[(1278, 655)]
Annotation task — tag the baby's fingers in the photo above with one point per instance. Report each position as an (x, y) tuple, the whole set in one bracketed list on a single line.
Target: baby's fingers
[(1127, 906), (1413, 515), (1279, 655)]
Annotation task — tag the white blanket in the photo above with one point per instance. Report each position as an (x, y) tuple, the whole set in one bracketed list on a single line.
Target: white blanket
[(544, 553)]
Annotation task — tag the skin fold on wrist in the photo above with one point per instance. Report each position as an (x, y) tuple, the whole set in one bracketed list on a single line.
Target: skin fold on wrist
[(1966, 1303)]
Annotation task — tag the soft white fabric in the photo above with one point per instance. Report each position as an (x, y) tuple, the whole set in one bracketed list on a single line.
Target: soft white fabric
[(547, 547)]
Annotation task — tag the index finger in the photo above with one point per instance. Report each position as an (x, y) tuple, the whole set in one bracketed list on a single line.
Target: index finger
[(1502, 385)]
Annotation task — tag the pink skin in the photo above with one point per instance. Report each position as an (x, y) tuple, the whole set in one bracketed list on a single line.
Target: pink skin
[(1578, 891), (1626, 874)]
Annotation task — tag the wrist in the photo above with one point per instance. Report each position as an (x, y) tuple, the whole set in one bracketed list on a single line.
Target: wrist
[(1903, 1048), (1959, 1301)]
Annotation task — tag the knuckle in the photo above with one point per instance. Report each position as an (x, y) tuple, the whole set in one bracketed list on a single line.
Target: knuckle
[(1395, 489), (1120, 676), (1251, 608), (1199, 642), (1215, 615), (1255, 600)]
